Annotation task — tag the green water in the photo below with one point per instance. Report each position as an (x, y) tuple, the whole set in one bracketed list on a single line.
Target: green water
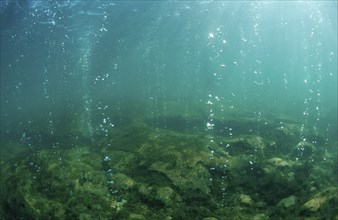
[(169, 109)]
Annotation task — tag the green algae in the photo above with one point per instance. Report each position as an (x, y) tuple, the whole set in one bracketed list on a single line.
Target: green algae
[(143, 171)]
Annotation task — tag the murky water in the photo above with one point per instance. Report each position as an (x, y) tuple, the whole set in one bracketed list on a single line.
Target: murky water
[(176, 110)]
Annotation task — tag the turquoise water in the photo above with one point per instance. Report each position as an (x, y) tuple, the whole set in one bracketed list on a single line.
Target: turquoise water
[(260, 54), (81, 73)]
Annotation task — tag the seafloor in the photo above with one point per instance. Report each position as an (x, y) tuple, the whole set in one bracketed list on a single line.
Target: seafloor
[(171, 165)]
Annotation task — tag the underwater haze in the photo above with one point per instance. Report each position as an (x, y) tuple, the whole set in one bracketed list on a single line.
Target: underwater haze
[(168, 110)]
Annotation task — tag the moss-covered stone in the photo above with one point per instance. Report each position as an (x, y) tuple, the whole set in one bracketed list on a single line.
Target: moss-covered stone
[(175, 169)]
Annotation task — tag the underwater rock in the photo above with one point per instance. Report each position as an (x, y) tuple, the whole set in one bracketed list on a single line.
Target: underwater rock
[(278, 162), (165, 195), (314, 204), (287, 134), (122, 181), (287, 202), (185, 177), (142, 173), (303, 150), (117, 205), (325, 201), (57, 189), (248, 144), (279, 170), (245, 199)]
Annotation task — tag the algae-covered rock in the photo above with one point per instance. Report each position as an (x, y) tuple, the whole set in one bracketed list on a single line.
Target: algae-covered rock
[(174, 169), (287, 202), (303, 151), (315, 204), (279, 170), (279, 163), (325, 201), (53, 188), (252, 144), (245, 199), (122, 181), (165, 195)]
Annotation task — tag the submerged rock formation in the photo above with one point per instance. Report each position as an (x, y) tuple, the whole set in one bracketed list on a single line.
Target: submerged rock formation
[(142, 172)]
